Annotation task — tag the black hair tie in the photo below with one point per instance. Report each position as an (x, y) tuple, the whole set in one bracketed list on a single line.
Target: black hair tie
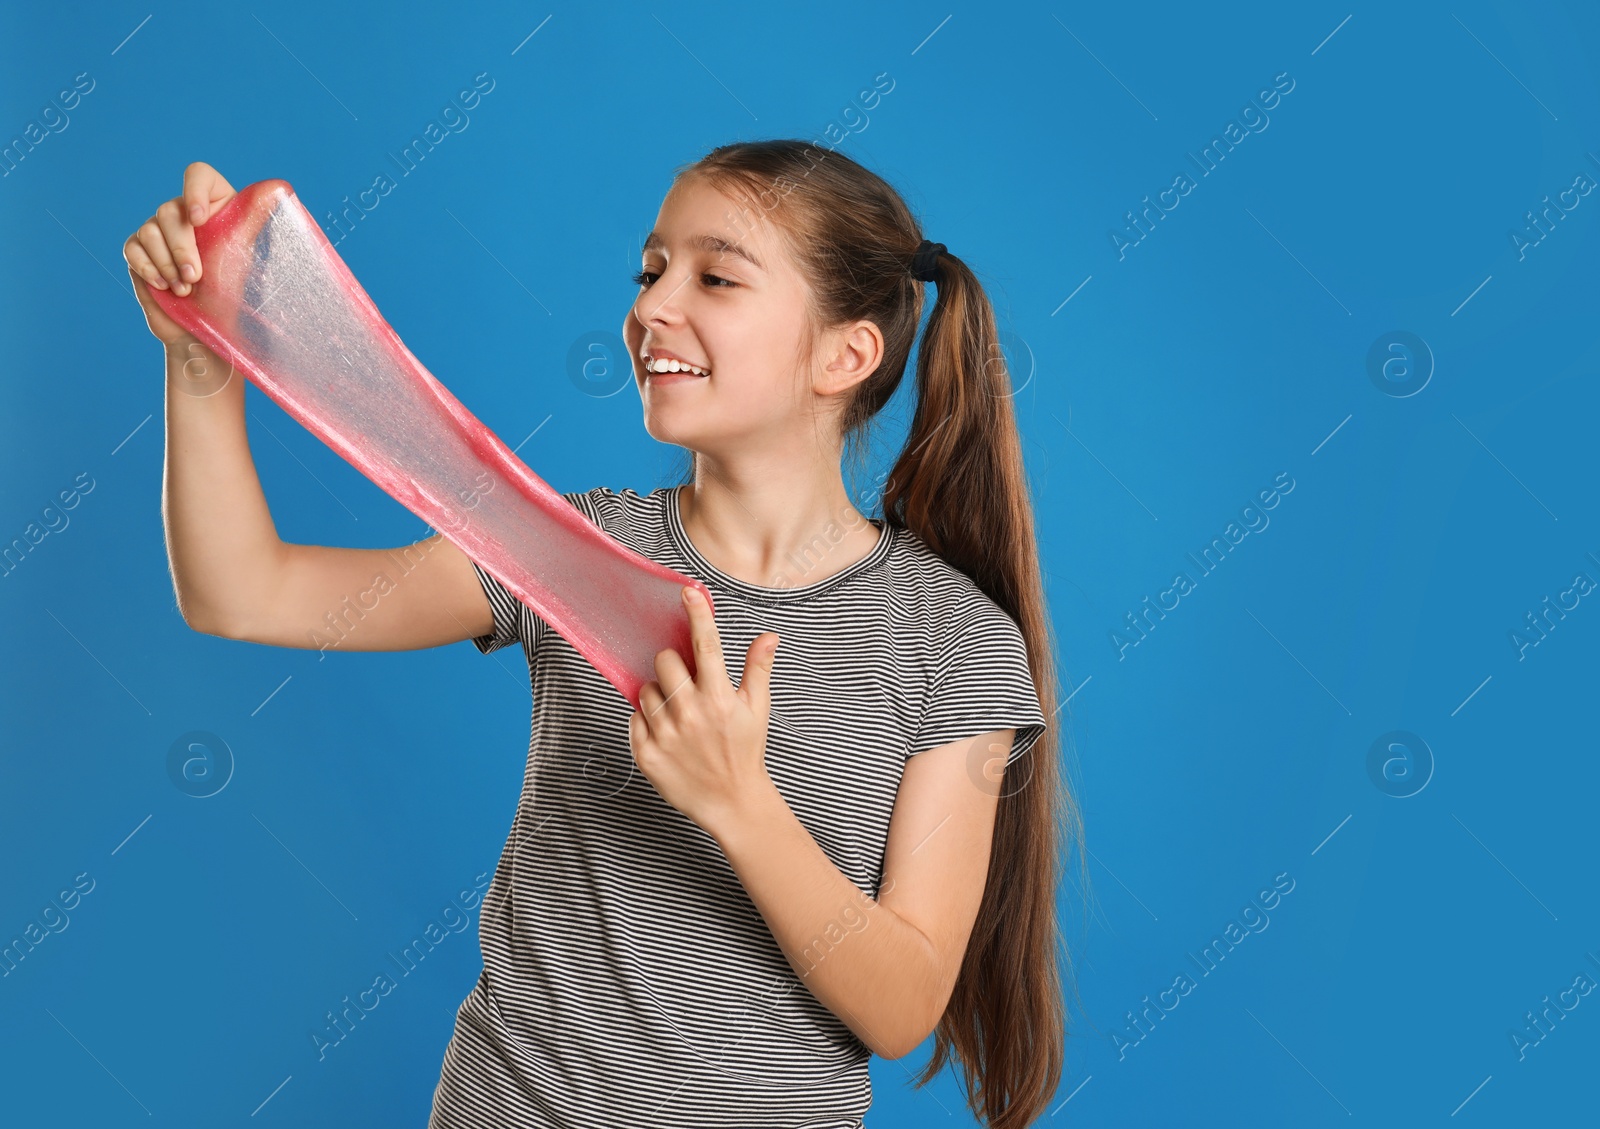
[(925, 263)]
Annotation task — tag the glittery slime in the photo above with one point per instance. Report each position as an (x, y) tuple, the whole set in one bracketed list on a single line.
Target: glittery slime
[(277, 302)]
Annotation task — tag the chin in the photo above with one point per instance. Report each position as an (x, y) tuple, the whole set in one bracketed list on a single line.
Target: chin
[(668, 432)]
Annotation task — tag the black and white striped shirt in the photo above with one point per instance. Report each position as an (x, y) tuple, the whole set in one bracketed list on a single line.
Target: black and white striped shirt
[(628, 979)]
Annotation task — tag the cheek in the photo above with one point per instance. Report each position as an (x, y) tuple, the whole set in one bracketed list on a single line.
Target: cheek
[(763, 392)]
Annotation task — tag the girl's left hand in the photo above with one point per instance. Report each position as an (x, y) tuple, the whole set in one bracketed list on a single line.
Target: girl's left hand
[(703, 743)]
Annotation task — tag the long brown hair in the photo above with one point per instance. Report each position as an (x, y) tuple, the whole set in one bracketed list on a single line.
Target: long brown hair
[(960, 485)]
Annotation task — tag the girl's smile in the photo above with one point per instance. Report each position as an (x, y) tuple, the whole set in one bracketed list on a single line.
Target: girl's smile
[(659, 360)]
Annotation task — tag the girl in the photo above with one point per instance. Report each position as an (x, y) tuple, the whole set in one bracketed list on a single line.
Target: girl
[(712, 910)]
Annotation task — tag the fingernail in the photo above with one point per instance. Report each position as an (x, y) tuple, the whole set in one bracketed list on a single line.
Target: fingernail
[(159, 283), (195, 212), (187, 270)]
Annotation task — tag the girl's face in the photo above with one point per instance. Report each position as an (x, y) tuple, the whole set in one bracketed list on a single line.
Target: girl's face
[(718, 291)]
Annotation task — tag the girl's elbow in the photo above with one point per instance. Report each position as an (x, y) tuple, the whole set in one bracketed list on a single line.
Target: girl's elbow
[(904, 1042)]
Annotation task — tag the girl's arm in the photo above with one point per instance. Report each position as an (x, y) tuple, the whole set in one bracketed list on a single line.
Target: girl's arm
[(232, 574), (885, 967), (235, 578)]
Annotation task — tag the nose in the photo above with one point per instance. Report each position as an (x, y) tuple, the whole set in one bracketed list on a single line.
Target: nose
[(658, 305)]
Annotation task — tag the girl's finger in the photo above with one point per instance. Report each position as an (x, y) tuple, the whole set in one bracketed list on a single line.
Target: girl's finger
[(179, 233), (139, 263), (756, 683), (711, 672), (650, 701), (154, 243), (672, 676), (204, 189), (196, 200)]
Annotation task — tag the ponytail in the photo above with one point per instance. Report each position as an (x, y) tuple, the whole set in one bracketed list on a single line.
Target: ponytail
[(961, 486)]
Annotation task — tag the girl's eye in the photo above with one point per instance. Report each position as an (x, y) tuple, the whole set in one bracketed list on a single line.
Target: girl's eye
[(645, 278)]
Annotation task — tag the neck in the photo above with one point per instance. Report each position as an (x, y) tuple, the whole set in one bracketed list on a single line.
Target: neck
[(775, 536)]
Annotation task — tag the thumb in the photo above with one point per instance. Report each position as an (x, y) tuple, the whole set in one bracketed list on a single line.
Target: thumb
[(756, 685)]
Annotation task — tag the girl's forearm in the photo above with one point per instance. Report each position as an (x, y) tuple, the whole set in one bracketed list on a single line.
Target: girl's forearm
[(861, 960), (221, 541)]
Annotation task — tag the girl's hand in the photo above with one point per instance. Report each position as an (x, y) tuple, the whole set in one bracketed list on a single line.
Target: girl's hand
[(703, 744), (163, 253)]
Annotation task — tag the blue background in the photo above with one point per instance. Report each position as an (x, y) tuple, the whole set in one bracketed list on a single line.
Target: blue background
[(1230, 745)]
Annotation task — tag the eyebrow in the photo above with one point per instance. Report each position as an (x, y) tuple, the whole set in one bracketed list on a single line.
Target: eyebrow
[(712, 243)]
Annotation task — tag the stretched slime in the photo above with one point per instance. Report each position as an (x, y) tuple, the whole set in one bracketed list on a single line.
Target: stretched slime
[(277, 302)]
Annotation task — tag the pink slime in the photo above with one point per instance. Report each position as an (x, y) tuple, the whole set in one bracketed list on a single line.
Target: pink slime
[(277, 302)]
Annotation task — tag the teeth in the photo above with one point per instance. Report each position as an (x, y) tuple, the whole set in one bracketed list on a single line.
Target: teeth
[(674, 366)]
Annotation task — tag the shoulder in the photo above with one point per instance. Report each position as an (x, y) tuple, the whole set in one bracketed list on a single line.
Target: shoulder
[(976, 670), (945, 598), (605, 506)]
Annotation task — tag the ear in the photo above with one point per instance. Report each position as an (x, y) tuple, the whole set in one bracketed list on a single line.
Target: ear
[(850, 356)]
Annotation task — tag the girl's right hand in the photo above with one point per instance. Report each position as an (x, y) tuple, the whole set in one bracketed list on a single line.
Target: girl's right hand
[(163, 254)]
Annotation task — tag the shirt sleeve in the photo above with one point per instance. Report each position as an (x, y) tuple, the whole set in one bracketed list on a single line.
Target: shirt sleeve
[(507, 609), (981, 682), (514, 621)]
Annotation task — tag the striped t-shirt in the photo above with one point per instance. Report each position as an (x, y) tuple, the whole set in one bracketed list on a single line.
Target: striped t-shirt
[(628, 979)]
